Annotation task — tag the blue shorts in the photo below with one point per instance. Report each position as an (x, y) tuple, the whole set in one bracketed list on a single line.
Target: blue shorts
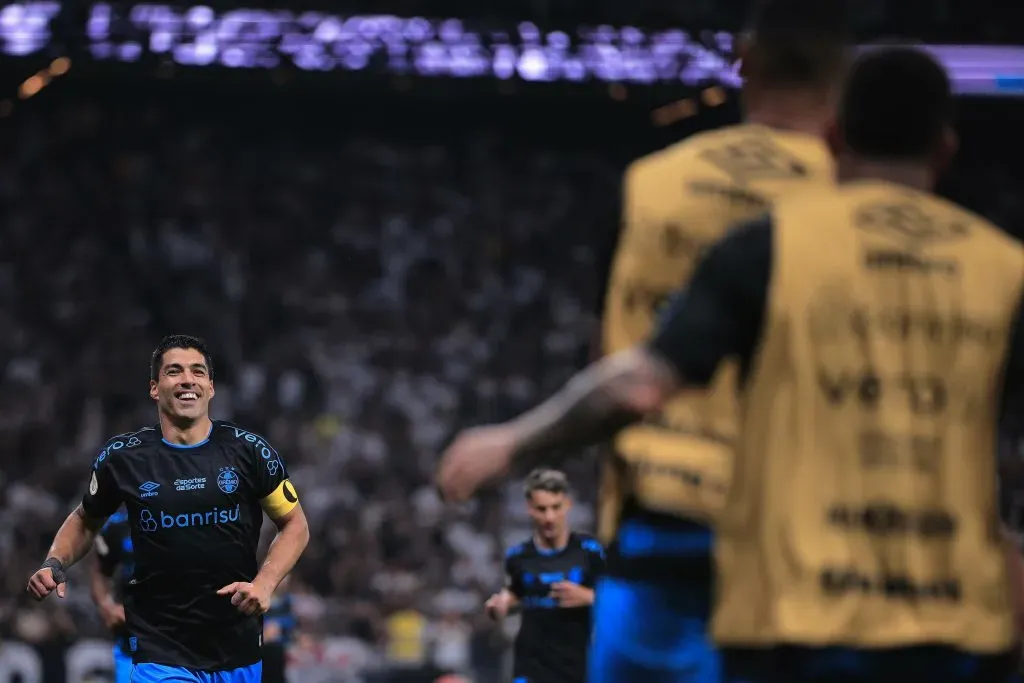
[(122, 665), (654, 632), (845, 665), (146, 672)]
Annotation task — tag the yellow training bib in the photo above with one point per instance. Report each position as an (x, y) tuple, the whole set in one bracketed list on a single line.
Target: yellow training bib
[(676, 202), (863, 511)]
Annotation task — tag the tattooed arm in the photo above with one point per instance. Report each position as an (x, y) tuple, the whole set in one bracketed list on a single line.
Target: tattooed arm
[(720, 315), (599, 401)]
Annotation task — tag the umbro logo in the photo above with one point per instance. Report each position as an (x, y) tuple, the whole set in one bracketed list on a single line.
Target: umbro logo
[(149, 489), (908, 223), (755, 158)]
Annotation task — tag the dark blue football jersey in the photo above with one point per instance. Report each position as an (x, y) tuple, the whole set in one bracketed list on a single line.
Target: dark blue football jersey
[(194, 514), (552, 643)]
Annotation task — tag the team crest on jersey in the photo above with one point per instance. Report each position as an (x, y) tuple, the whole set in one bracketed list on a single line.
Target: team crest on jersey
[(227, 480)]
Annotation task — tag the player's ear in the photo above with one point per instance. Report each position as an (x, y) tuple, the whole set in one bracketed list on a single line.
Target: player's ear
[(153, 391), (213, 390)]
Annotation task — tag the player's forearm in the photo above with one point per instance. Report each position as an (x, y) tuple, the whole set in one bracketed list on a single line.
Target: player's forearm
[(593, 406), (99, 588), (74, 538), (284, 552)]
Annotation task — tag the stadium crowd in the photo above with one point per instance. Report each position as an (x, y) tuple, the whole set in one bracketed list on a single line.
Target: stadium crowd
[(366, 289), (364, 296)]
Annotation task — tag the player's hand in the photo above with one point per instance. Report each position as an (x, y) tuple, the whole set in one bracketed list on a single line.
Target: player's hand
[(113, 615), (45, 581), (252, 599), (498, 605), (476, 457), (571, 594)]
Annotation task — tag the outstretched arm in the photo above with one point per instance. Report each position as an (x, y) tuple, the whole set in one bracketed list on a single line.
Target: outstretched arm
[(598, 402), (718, 316)]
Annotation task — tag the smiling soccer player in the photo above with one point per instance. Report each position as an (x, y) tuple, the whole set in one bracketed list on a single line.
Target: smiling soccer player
[(195, 491)]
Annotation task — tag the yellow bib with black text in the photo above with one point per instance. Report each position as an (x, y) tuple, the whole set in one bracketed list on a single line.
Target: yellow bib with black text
[(863, 511), (677, 202)]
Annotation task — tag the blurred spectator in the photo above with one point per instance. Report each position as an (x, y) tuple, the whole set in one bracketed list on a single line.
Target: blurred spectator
[(450, 641)]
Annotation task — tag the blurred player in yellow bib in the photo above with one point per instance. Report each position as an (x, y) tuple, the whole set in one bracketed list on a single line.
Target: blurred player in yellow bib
[(879, 333), (670, 474), (879, 337)]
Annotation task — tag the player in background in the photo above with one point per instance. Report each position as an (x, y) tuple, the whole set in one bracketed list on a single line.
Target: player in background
[(195, 491), (278, 631), (108, 583), (879, 333), (550, 579)]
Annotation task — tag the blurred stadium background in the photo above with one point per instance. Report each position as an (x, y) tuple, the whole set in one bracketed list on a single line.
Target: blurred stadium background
[(387, 225)]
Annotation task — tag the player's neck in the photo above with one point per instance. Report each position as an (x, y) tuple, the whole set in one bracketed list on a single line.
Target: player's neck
[(913, 175), (189, 434), (797, 112), (559, 542)]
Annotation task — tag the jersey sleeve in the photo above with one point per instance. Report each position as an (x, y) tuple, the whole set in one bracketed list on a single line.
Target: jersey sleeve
[(275, 491), (513, 574), (102, 497), (721, 313)]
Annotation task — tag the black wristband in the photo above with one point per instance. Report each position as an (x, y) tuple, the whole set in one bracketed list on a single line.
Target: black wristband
[(56, 568)]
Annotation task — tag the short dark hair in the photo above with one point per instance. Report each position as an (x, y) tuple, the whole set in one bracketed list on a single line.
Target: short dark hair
[(798, 43), (178, 341), (897, 104), (544, 479)]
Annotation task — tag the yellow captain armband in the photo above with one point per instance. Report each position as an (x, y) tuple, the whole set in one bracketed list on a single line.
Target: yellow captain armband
[(281, 501)]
